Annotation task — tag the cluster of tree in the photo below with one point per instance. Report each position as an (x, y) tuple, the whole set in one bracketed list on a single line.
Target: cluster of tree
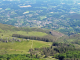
[(70, 55), (60, 51), (71, 59), (33, 38), (10, 40), (17, 57)]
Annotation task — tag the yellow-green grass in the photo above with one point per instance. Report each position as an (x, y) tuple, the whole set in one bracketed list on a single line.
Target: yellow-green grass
[(21, 47), (1, 30), (33, 33), (8, 34)]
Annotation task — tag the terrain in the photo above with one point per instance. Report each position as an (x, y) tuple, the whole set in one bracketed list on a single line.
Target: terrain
[(58, 15), (37, 43), (8, 42), (39, 30)]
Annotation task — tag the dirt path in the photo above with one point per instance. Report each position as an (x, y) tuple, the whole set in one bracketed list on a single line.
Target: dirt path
[(32, 44)]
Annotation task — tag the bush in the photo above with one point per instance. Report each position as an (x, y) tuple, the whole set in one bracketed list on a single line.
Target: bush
[(59, 56), (55, 44)]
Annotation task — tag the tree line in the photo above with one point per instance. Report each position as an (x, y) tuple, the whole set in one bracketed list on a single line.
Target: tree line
[(33, 37)]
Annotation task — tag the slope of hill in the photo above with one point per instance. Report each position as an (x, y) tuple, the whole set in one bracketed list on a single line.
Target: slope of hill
[(7, 41), (16, 41), (74, 39), (8, 31), (21, 47)]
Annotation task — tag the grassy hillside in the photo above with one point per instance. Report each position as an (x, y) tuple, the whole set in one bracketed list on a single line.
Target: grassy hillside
[(14, 45), (6, 31), (21, 47), (33, 33), (73, 39)]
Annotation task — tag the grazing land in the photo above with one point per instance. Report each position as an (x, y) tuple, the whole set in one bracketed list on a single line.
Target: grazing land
[(21, 47)]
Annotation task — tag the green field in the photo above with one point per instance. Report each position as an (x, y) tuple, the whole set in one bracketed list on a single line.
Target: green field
[(33, 33), (8, 34), (21, 47)]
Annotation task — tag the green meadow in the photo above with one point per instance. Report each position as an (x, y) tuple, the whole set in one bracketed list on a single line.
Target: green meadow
[(21, 47), (33, 33), (8, 34)]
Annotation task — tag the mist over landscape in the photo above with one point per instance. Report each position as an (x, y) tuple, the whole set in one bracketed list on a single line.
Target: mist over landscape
[(60, 15), (39, 29)]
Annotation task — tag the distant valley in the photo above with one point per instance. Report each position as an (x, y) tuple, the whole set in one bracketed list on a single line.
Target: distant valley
[(39, 30), (55, 15)]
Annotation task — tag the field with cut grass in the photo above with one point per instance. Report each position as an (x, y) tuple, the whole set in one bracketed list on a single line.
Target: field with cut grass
[(21, 47)]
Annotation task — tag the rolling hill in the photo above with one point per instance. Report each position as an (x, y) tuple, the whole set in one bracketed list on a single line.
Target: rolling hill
[(36, 43), (16, 45)]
